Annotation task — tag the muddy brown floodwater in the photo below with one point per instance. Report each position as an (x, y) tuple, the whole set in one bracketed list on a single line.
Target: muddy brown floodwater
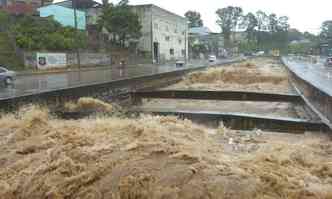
[(260, 75), (151, 157), (257, 75)]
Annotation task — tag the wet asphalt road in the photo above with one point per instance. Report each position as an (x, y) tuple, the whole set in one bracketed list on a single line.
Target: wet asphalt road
[(317, 74), (33, 84)]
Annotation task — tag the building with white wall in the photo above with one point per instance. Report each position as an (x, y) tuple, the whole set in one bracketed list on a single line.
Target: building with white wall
[(164, 34)]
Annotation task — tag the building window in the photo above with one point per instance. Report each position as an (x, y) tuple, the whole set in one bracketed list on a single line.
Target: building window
[(167, 38), (183, 52), (184, 32), (171, 51), (155, 25), (180, 41)]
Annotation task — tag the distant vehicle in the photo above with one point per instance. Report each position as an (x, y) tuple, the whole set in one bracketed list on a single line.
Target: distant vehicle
[(7, 76), (260, 53), (248, 54), (328, 61), (179, 63), (212, 58)]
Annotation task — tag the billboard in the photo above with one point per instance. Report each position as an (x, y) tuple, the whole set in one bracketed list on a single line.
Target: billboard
[(51, 60)]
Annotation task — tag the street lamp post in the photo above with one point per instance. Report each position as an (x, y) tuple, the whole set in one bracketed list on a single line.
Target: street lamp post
[(186, 42), (74, 5)]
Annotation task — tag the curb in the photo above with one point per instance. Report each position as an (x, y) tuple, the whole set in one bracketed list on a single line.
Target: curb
[(59, 71)]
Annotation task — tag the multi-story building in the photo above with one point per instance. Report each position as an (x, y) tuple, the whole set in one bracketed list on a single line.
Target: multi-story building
[(164, 34)]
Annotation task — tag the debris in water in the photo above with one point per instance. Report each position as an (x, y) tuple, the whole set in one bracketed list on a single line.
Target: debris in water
[(87, 103)]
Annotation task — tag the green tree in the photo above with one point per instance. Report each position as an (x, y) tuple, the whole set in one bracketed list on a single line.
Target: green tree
[(281, 35), (46, 34), (326, 32), (121, 23), (250, 24), (300, 48), (283, 24), (194, 19), (228, 19), (273, 23), (4, 20), (262, 23)]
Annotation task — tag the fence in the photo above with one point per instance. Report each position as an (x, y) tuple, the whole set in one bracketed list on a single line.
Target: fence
[(31, 60)]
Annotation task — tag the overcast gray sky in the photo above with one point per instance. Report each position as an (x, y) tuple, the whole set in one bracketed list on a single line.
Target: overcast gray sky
[(305, 15)]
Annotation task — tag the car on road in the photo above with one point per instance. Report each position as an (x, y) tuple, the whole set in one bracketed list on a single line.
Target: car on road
[(7, 77), (212, 58), (248, 54), (259, 53), (328, 61)]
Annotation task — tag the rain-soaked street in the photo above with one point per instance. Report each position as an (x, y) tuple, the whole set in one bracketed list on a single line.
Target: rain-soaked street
[(317, 74), (32, 84)]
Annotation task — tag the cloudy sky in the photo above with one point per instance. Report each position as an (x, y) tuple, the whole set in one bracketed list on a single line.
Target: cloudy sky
[(305, 15)]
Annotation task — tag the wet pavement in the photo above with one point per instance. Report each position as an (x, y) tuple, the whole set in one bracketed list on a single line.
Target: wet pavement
[(34, 84), (317, 74)]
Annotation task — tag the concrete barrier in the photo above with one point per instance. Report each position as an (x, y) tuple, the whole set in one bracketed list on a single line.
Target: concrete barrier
[(319, 101)]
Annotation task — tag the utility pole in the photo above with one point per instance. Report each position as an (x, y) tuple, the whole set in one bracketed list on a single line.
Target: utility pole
[(74, 5), (186, 42)]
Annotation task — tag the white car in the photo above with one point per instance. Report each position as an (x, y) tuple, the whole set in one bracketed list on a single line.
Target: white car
[(7, 76), (260, 53), (212, 58)]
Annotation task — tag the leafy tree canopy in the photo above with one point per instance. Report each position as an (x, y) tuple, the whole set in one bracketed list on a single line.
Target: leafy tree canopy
[(46, 34), (120, 22), (228, 19), (326, 31), (194, 19)]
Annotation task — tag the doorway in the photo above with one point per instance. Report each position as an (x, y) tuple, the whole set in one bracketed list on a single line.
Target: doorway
[(156, 52)]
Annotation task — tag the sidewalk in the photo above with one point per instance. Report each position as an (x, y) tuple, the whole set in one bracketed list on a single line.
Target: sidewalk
[(62, 70), (66, 70)]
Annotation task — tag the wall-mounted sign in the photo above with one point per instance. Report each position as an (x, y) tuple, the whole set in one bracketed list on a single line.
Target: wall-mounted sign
[(51, 60)]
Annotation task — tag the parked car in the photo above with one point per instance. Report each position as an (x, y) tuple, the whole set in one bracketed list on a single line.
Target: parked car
[(259, 53), (328, 61), (248, 54), (212, 58), (7, 76)]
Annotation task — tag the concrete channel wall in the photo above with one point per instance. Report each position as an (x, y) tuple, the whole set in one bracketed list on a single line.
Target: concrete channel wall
[(319, 101), (113, 91)]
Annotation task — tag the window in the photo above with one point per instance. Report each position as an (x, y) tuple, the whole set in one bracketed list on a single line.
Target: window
[(176, 30), (171, 51), (167, 38), (180, 41), (183, 52), (184, 32), (155, 25), (167, 29)]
